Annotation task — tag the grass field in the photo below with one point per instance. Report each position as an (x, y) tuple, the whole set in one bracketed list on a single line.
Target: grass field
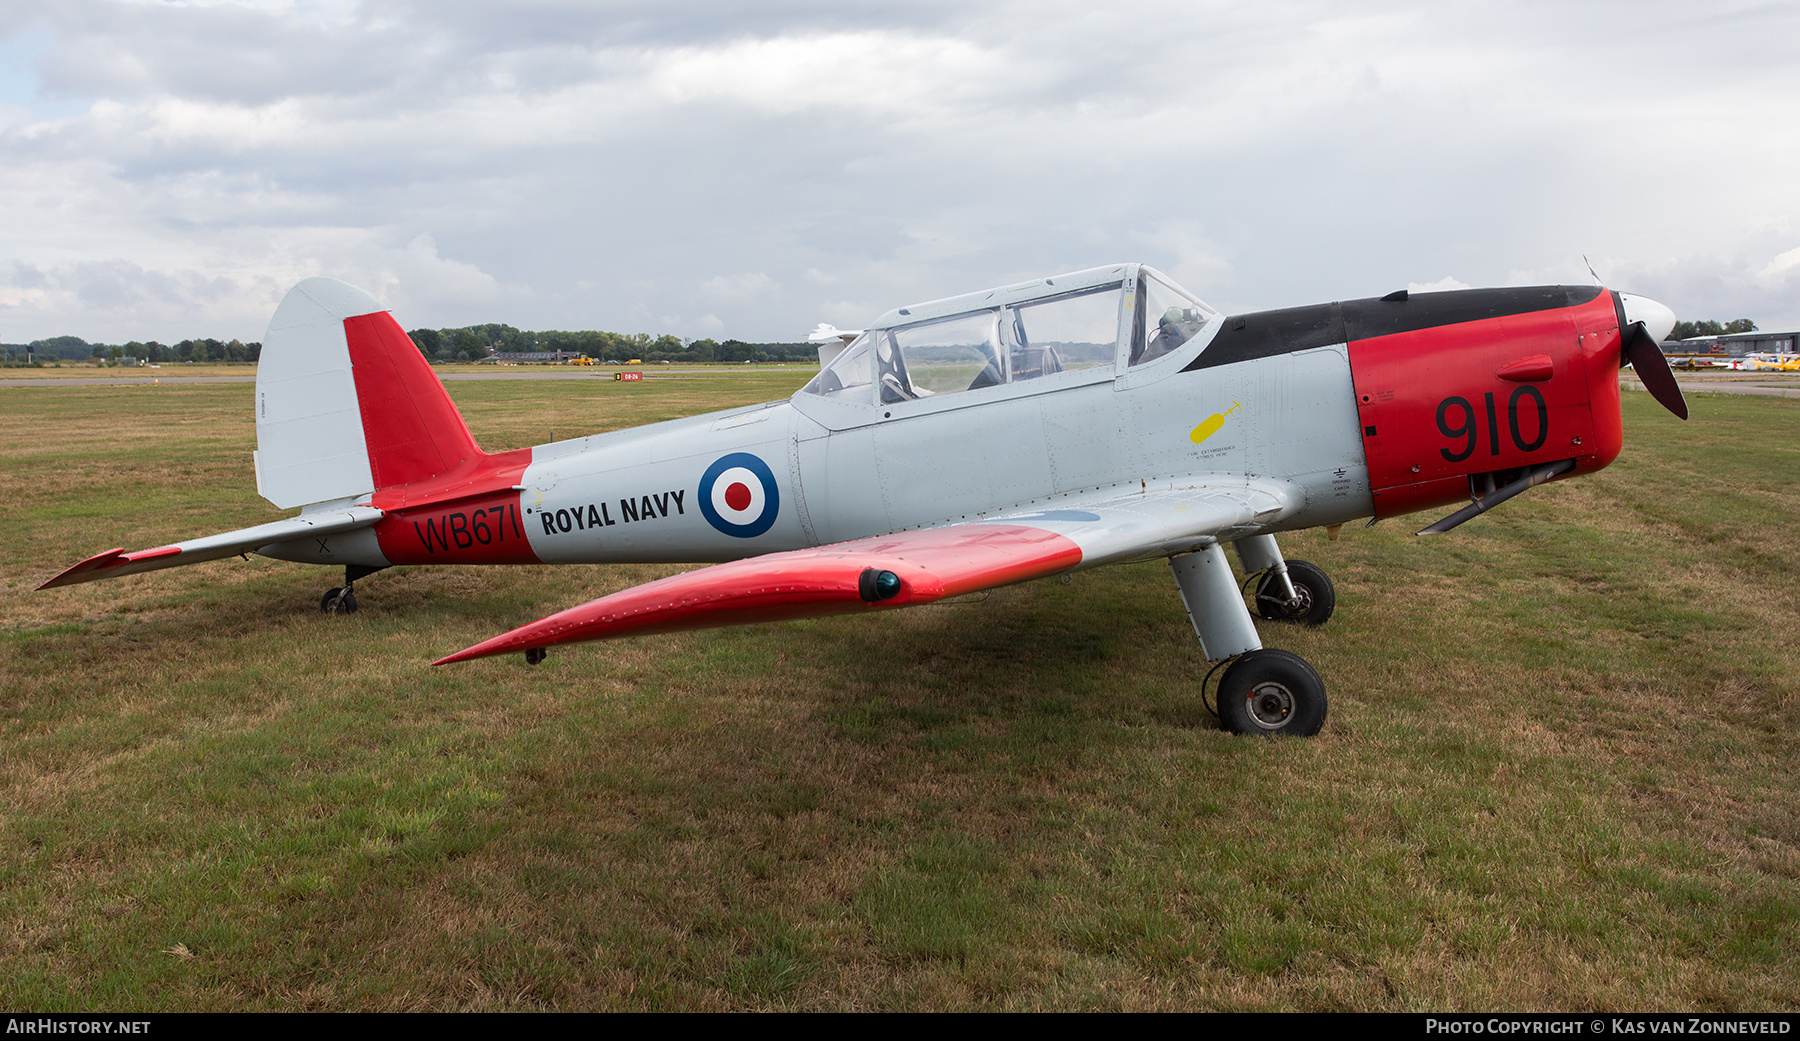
[(1559, 770)]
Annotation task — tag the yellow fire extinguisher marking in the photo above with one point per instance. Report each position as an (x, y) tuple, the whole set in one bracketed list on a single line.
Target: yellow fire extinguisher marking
[(1211, 424)]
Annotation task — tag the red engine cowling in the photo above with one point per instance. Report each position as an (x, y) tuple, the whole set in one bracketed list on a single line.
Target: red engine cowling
[(1483, 384)]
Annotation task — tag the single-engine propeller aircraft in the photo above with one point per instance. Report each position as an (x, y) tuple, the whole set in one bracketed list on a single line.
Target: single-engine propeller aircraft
[(1035, 429)]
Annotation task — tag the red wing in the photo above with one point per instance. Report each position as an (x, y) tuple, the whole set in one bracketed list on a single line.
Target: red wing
[(808, 583)]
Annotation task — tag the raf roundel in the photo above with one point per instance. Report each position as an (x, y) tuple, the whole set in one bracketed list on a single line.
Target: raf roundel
[(738, 495)]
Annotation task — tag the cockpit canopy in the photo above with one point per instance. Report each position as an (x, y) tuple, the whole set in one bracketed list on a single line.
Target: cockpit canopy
[(1111, 317)]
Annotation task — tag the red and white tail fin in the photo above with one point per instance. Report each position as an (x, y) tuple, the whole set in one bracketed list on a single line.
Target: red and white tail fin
[(345, 404)]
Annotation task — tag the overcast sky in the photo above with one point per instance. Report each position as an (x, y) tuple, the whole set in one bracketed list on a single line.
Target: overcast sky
[(169, 170)]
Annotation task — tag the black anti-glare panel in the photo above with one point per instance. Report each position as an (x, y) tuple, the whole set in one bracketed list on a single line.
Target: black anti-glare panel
[(1263, 334)]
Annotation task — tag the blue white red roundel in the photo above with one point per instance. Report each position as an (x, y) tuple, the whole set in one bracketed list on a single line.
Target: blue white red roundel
[(738, 495)]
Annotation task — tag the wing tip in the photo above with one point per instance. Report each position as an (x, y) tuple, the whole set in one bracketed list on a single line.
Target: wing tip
[(112, 558), (505, 643), (70, 575)]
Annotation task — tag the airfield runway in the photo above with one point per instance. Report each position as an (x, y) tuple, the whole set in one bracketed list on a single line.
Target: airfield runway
[(1757, 386)]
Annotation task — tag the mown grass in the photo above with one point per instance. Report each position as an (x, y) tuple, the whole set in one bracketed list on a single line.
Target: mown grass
[(1559, 770)]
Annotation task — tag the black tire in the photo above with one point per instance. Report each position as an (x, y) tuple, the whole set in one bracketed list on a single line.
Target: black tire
[(1317, 597), (1296, 659), (1270, 692), (338, 601)]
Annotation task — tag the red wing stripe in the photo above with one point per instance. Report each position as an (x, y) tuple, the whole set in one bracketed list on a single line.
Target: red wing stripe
[(808, 583), (110, 559)]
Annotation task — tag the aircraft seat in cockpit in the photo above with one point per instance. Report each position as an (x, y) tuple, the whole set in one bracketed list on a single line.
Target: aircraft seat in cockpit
[(1032, 362)]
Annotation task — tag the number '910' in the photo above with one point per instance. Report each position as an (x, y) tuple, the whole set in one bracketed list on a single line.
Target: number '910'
[(1467, 428)]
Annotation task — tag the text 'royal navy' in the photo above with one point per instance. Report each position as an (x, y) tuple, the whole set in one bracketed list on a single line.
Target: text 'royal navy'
[(599, 515)]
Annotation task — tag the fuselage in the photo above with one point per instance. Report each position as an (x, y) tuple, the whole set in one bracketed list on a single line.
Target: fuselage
[(1361, 408)]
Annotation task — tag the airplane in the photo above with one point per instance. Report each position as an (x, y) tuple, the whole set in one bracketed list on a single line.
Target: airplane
[(952, 446), (825, 332), (832, 341), (1770, 361)]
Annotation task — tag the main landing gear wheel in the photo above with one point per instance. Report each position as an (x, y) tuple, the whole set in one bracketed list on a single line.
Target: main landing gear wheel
[(1271, 692), (338, 601), (1317, 598)]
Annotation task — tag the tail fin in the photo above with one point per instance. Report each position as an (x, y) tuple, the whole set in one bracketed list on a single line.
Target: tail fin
[(345, 404)]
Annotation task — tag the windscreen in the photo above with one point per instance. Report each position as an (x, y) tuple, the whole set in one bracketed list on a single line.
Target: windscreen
[(847, 377), (1167, 318)]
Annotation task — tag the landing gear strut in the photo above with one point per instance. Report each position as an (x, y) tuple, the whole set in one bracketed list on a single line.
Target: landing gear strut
[(1313, 601), (342, 600), (1265, 691), (1289, 590), (338, 601)]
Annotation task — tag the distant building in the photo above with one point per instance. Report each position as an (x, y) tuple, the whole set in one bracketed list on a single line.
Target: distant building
[(1735, 345), (541, 357)]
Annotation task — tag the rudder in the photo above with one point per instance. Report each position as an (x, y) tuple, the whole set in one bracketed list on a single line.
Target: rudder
[(346, 404)]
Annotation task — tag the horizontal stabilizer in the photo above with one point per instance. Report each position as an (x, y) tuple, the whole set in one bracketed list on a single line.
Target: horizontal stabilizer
[(116, 563)]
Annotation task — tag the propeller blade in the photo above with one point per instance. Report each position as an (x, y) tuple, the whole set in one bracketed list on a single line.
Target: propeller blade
[(1652, 368)]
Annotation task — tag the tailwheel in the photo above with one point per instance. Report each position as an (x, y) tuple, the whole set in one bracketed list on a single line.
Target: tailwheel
[(1269, 692), (536, 655), (1314, 601), (341, 600)]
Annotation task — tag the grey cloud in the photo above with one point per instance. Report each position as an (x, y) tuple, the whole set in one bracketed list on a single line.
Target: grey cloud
[(402, 52), (1719, 288), (125, 300), (576, 164), (655, 23), (219, 52)]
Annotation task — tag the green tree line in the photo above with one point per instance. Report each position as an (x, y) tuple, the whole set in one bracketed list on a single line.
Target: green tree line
[(1684, 330), (74, 348), (469, 343), (475, 342)]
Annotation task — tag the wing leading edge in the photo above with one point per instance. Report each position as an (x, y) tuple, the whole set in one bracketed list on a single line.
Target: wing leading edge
[(931, 564)]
